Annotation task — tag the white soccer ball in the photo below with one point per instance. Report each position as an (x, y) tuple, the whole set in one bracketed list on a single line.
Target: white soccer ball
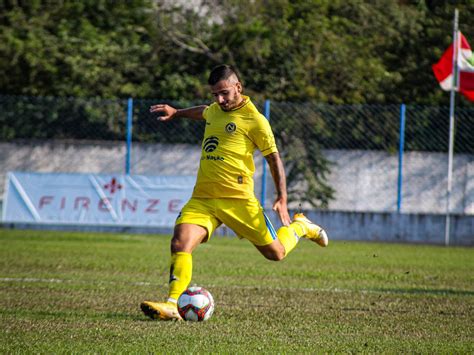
[(196, 304)]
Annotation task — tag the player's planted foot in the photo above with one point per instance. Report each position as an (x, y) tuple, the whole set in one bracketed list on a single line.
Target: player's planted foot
[(161, 310), (313, 231)]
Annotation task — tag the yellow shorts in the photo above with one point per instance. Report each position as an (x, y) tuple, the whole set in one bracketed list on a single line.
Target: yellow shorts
[(244, 216)]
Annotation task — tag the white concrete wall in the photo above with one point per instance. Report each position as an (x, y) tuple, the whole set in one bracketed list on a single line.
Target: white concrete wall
[(367, 181), (392, 226), (363, 180)]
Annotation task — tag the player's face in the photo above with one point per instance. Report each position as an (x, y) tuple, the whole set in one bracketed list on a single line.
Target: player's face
[(227, 94)]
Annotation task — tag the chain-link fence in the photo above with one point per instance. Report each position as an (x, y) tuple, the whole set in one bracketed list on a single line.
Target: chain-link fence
[(341, 157), (24, 117), (371, 161)]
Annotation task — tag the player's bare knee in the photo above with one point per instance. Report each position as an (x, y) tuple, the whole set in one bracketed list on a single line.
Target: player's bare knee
[(177, 245), (274, 251), (187, 237), (280, 256), (275, 256)]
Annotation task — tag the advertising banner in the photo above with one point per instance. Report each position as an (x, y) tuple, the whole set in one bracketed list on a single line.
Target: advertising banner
[(95, 199)]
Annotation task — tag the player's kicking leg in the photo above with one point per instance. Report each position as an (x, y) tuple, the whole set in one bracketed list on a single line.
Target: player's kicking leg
[(286, 238), (311, 230)]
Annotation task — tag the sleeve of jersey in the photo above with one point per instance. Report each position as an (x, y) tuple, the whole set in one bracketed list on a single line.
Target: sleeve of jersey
[(261, 134), (205, 112)]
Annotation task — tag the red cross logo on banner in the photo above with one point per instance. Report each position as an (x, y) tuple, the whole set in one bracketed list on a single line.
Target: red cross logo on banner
[(113, 185)]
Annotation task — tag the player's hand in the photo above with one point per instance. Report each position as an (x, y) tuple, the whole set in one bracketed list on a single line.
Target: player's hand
[(280, 207), (167, 112)]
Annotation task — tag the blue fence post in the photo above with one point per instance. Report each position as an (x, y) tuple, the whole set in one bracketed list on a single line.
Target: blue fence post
[(400, 156), (266, 112), (129, 136)]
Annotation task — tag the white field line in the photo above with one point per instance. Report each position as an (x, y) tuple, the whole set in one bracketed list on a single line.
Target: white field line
[(143, 283), (61, 281)]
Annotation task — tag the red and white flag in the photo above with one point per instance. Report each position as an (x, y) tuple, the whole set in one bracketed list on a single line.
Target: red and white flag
[(443, 70)]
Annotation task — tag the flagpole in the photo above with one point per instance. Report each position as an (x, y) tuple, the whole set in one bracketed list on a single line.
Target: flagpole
[(451, 125)]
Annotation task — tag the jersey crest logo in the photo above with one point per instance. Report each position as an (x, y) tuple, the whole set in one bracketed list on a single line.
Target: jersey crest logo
[(210, 144), (230, 127)]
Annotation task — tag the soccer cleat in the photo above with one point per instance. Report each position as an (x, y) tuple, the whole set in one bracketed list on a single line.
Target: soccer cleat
[(313, 231), (161, 310)]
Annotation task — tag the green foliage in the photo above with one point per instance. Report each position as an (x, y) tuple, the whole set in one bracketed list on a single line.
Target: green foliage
[(423, 45), (75, 48), (327, 51)]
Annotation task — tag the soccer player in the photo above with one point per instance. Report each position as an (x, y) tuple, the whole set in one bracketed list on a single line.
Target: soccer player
[(224, 190)]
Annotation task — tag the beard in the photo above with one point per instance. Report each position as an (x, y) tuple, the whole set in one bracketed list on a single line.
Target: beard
[(231, 103)]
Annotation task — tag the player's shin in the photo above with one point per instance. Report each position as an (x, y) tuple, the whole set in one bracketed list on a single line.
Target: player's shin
[(288, 237), (180, 274)]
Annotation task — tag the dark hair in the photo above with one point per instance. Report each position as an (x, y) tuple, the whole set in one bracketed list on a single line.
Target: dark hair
[(222, 72)]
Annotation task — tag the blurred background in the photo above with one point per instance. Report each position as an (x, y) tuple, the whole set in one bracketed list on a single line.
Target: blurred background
[(359, 117)]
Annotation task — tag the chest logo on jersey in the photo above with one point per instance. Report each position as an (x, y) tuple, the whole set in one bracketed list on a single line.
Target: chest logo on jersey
[(210, 144), (230, 127)]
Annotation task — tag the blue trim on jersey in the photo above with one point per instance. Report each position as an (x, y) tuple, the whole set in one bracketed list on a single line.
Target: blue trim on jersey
[(270, 227)]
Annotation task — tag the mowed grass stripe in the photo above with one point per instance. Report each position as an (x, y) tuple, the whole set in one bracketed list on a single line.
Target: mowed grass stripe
[(79, 292), (93, 283)]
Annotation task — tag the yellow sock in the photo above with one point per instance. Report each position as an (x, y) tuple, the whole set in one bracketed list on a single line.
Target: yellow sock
[(289, 236), (299, 229), (181, 271)]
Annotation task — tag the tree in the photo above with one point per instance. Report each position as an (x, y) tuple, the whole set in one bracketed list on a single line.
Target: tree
[(75, 48)]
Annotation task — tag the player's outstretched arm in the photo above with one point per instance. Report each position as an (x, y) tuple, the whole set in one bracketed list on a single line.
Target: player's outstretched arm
[(168, 112), (279, 178)]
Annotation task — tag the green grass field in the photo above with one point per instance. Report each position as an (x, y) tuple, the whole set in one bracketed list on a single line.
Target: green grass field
[(80, 292)]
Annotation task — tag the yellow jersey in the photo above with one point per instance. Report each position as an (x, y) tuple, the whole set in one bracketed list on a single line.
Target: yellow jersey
[(230, 140)]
